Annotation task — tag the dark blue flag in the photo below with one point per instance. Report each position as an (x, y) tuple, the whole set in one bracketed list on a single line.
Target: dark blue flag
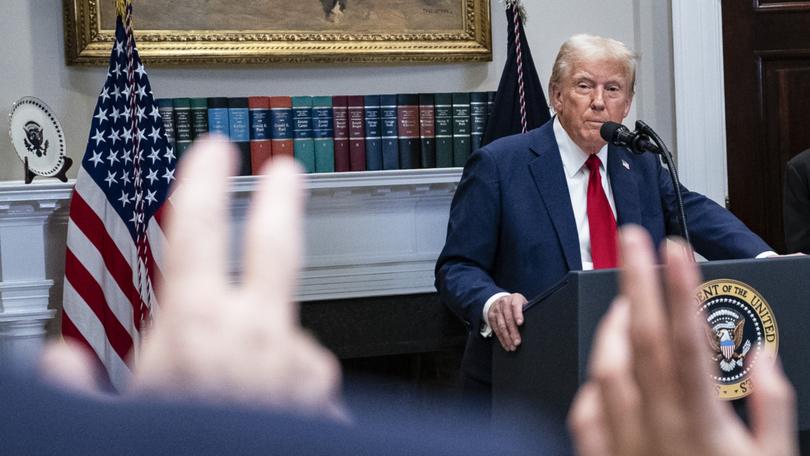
[(520, 104)]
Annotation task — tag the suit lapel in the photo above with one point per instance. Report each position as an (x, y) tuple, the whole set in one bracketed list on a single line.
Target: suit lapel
[(623, 184), (549, 177)]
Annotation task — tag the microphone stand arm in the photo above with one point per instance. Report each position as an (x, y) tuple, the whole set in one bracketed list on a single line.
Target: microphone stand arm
[(673, 174)]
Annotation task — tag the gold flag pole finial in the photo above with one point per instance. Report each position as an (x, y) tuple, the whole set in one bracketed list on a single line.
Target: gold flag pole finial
[(520, 8), (121, 6)]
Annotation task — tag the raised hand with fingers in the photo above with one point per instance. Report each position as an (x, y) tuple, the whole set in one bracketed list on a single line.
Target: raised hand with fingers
[(217, 341), (649, 391)]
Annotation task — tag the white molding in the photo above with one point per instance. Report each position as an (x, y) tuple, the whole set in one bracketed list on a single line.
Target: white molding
[(24, 297), (367, 234), (697, 38)]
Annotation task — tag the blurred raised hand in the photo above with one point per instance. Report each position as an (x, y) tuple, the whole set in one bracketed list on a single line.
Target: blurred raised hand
[(214, 340), (649, 391)]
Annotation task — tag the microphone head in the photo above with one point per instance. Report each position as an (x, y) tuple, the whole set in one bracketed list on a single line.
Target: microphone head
[(612, 131)]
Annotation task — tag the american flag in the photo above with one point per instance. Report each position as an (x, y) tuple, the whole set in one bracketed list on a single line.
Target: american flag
[(114, 233)]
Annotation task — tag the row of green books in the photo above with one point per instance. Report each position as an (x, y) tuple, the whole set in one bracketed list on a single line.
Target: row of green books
[(338, 133)]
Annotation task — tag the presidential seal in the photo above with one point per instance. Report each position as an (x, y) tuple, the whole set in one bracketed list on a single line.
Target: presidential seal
[(740, 330), (38, 138)]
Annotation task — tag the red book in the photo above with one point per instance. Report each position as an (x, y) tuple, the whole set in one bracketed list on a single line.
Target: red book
[(281, 125), (340, 116), (260, 147), (357, 133)]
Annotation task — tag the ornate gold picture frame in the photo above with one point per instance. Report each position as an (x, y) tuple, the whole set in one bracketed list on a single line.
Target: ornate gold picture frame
[(289, 31)]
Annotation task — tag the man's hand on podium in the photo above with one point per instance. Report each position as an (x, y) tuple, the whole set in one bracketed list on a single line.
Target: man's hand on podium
[(649, 391), (504, 316)]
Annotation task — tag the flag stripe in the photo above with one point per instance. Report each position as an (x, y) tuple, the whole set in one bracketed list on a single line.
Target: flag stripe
[(87, 255), (157, 239), (93, 296), (68, 327), (93, 332), (92, 227)]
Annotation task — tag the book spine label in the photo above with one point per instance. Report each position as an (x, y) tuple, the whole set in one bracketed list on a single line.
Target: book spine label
[(304, 147), (427, 130), (461, 129), (478, 119), (323, 133), (166, 110), (390, 133), (490, 107), (260, 125), (357, 134), (281, 128), (182, 126), (443, 111), (239, 124), (260, 146), (373, 133), (408, 123), (340, 113), (218, 121), (199, 121)]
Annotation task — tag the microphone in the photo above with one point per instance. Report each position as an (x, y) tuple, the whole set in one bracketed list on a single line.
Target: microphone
[(619, 135), (646, 139)]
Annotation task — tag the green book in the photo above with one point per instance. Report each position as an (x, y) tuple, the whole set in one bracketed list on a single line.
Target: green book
[(323, 134), (443, 115), (461, 128), (166, 110), (199, 117), (182, 125), (303, 144)]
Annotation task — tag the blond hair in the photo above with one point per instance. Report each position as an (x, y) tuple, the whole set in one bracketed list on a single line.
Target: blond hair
[(585, 47)]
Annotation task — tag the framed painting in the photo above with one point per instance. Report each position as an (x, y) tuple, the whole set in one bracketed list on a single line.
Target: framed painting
[(298, 31)]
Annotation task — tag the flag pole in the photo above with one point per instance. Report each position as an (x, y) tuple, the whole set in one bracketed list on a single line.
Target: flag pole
[(142, 245), (518, 14)]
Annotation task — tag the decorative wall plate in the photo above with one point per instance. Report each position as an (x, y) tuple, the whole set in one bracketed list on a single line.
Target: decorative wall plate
[(38, 139)]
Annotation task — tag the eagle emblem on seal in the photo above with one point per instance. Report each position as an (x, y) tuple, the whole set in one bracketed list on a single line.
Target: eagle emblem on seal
[(725, 333), (34, 139)]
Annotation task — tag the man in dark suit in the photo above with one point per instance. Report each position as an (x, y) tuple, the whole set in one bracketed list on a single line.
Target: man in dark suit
[(531, 207), (797, 203)]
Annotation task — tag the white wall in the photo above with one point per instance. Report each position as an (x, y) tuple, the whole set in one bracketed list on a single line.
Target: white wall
[(32, 63)]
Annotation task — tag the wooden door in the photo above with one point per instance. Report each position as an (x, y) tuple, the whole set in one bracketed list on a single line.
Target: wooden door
[(766, 46)]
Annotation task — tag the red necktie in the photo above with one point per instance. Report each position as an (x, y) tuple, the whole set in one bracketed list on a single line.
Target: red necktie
[(601, 222)]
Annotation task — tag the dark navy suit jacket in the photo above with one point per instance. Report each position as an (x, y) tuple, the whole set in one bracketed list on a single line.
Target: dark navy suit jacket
[(512, 226)]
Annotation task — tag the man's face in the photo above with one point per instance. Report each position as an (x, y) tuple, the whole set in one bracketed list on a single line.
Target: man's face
[(593, 92)]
